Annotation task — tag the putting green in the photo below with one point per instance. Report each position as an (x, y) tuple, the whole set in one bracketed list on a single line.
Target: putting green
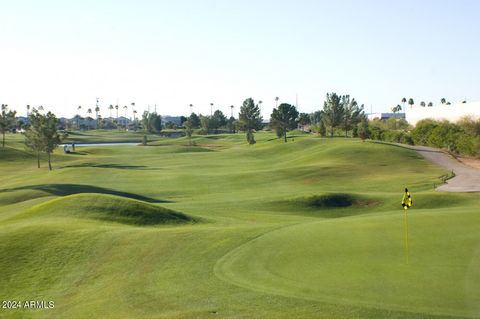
[(361, 261)]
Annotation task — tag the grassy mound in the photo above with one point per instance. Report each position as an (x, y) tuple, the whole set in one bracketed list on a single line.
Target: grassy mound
[(108, 208), (8, 198)]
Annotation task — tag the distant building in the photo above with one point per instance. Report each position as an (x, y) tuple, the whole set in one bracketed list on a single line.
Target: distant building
[(384, 116), (452, 112)]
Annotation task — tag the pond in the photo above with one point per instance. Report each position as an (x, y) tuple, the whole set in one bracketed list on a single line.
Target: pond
[(101, 144)]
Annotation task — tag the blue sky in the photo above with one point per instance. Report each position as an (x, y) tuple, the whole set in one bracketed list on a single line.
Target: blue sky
[(61, 54)]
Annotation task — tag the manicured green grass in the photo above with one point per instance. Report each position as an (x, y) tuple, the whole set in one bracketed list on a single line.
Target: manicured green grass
[(309, 228)]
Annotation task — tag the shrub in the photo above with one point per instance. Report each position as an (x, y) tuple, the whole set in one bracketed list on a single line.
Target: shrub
[(362, 130), (470, 125), (376, 133), (421, 133)]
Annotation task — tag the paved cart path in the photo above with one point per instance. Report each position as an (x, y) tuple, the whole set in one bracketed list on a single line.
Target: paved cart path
[(467, 179)]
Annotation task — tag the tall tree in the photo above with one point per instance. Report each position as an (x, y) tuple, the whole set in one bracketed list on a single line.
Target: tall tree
[(110, 108), (135, 120), (42, 134), (125, 108), (151, 122), (78, 117), (443, 101), (33, 135), (116, 108), (194, 120), (352, 113), (276, 101), (332, 111), (28, 110), (430, 104), (218, 120), (283, 119), (97, 109), (249, 119), (50, 135), (422, 104), (7, 120), (404, 100)]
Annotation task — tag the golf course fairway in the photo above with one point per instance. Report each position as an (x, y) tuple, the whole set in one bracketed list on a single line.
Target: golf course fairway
[(311, 228)]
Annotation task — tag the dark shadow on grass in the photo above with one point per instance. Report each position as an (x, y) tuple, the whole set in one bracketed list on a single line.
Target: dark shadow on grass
[(70, 189), (78, 153), (288, 137), (332, 205), (116, 166)]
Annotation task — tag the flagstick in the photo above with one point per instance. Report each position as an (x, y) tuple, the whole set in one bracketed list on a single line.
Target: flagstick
[(406, 237)]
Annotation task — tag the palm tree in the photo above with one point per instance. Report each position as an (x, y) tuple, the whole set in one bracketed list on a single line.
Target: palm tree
[(110, 108), (411, 102), (40, 108), (422, 104), (191, 108), (443, 101), (78, 117), (396, 109), (97, 109), (211, 108), (116, 108), (125, 117), (276, 101), (430, 104), (28, 109), (89, 111), (231, 108), (135, 120)]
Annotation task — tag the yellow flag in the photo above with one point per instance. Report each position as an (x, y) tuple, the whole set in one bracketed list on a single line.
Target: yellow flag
[(407, 200)]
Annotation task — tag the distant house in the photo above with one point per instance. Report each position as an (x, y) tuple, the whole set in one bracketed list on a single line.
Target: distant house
[(385, 116), (452, 112)]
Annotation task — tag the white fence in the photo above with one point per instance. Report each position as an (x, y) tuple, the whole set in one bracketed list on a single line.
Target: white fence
[(451, 112)]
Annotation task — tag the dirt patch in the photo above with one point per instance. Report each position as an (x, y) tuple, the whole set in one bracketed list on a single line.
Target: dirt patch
[(470, 161)]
